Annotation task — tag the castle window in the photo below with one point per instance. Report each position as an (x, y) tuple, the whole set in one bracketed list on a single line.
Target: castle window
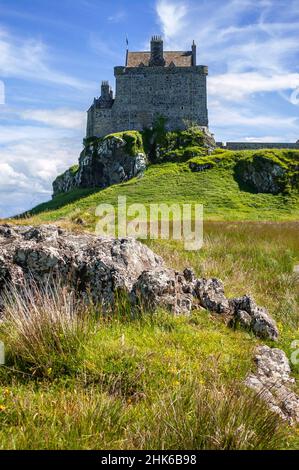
[(182, 107)]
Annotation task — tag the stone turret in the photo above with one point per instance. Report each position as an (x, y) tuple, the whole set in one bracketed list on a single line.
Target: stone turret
[(106, 94), (157, 58)]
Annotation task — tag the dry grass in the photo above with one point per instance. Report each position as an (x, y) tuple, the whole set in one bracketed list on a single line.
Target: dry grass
[(45, 327)]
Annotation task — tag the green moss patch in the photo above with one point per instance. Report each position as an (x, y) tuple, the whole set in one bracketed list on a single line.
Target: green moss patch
[(133, 139)]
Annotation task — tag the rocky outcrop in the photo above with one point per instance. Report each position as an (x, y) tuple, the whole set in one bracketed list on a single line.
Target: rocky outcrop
[(211, 295), (249, 316), (97, 265), (164, 288), (182, 145), (273, 383), (102, 163), (101, 267), (266, 175)]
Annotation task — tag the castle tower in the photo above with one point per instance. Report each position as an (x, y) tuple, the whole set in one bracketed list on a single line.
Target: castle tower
[(106, 92), (157, 58)]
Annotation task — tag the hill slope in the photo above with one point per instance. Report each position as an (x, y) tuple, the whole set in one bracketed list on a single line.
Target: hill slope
[(219, 188)]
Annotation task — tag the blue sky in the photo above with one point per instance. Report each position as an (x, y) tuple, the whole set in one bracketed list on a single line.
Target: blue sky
[(54, 54)]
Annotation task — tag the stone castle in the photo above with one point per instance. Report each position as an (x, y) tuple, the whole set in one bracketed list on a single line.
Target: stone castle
[(151, 84)]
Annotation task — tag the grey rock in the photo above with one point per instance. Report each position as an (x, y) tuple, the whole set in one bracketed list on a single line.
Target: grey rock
[(189, 274), (198, 167), (264, 175), (89, 263), (273, 382), (162, 288), (243, 318), (249, 315), (103, 266), (100, 165), (210, 293)]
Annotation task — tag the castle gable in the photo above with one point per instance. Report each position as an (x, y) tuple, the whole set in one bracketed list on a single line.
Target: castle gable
[(178, 58)]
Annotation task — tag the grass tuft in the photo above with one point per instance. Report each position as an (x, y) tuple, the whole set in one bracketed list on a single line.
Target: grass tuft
[(45, 328)]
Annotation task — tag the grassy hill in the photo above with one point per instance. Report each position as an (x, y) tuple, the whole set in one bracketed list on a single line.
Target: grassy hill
[(218, 188), (162, 381)]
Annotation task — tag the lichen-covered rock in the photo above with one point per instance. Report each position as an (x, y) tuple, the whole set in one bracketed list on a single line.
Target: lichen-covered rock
[(211, 295), (248, 315), (102, 163), (165, 288), (273, 382), (89, 263), (103, 266)]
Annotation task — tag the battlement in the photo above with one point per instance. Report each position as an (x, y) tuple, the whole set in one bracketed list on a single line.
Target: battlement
[(157, 39)]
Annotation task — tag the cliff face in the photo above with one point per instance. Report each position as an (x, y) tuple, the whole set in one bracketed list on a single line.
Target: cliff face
[(104, 162)]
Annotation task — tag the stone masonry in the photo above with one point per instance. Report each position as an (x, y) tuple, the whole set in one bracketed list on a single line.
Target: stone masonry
[(152, 83)]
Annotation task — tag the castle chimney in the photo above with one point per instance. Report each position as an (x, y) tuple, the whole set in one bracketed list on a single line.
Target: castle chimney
[(157, 51), (193, 48)]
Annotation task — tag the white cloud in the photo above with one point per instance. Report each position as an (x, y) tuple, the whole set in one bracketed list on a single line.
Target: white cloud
[(171, 16), (227, 116), (15, 133), (62, 117), (28, 168), (2, 92), (237, 86), (29, 59), (267, 139), (248, 60), (240, 123)]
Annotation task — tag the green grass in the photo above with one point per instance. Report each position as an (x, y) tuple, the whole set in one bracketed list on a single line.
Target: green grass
[(161, 381), (132, 377), (216, 188), (133, 383)]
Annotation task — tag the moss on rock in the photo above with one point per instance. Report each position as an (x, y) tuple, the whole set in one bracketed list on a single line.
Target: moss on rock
[(269, 171), (133, 139)]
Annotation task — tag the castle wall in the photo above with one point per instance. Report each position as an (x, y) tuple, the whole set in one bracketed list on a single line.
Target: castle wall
[(99, 122), (257, 145), (177, 93)]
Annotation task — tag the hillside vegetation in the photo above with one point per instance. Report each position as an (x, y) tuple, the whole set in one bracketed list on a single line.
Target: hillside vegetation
[(160, 381), (184, 167), (156, 381), (217, 188)]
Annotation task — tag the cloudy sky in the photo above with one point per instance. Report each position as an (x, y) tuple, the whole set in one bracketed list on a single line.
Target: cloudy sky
[(54, 53)]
